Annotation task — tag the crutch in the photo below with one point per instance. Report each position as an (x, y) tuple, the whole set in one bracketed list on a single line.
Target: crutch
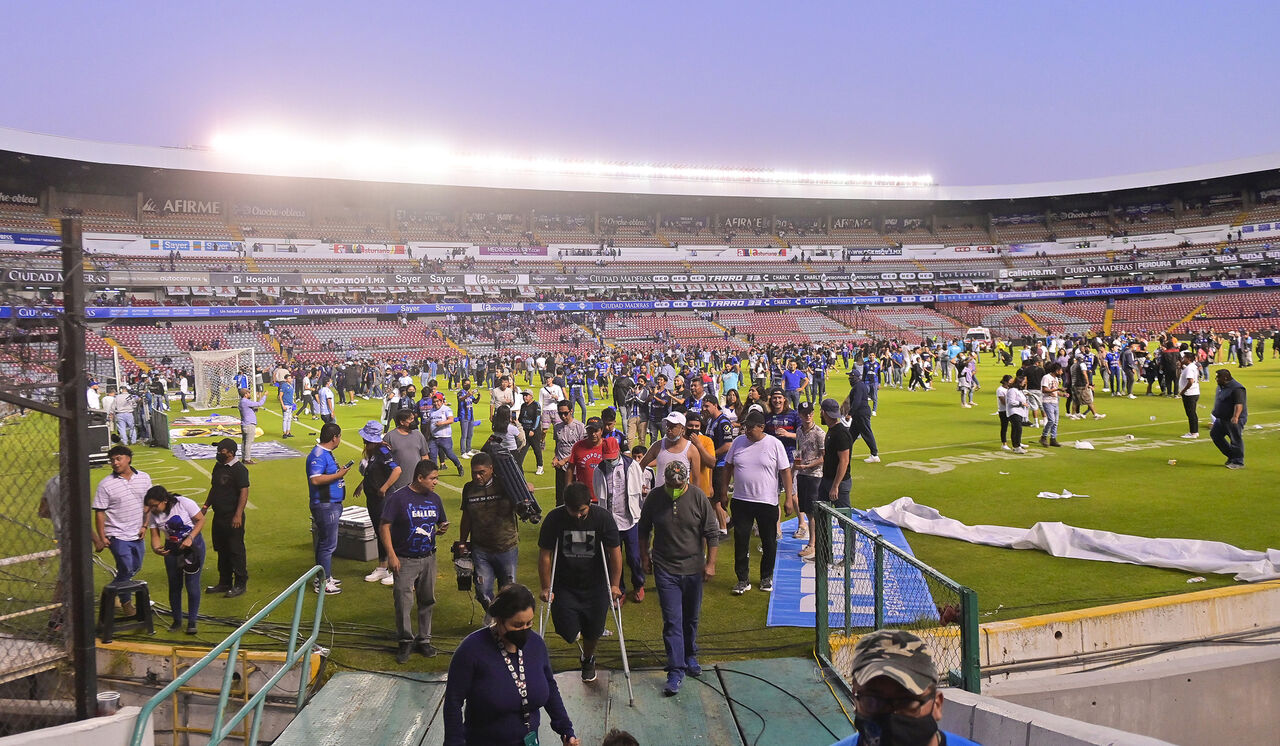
[(542, 621), (617, 618)]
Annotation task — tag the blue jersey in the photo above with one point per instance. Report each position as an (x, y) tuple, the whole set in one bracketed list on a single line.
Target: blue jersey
[(818, 367), (321, 461), (466, 399), (1113, 360), (871, 371), (286, 393), (575, 379)]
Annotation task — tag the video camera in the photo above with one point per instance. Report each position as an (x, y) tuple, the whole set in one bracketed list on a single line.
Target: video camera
[(463, 565)]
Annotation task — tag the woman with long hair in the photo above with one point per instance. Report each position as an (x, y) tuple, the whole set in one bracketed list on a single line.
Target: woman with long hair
[(175, 523), (1016, 407)]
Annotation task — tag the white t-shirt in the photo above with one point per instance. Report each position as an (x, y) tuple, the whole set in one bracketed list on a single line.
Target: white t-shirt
[(549, 397), (1001, 392), (1047, 384), (756, 467), (1016, 402), (1190, 373), (185, 510)]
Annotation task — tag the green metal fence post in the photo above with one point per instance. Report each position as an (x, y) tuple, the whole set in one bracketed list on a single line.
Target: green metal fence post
[(970, 664), (878, 576)]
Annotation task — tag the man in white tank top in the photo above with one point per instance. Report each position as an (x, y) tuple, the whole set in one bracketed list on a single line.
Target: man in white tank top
[(673, 447)]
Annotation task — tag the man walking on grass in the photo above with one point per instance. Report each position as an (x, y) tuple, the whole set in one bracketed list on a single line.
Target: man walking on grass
[(757, 464)]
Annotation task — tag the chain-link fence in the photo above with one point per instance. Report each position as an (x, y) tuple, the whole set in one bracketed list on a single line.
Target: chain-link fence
[(45, 664), (872, 584)]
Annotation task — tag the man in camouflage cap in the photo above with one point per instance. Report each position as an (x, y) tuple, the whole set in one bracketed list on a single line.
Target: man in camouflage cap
[(686, 535), (895, 690)]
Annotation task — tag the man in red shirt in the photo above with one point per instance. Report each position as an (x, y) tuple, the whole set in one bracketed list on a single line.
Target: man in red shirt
[(585, 456)]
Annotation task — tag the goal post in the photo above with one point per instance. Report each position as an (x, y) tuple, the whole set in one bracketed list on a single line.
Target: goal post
[(215, 372)]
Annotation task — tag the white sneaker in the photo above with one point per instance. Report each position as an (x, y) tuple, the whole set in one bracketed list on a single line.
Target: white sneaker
[(1191, 436), (1132, 396), (1005, 447), (1019, 449), (871, 460), (466, 455), (801, 533), (1099, 417), (873, 413), (331, 588), (378, 573), (389, 580), (539, 471), (1105, 390)]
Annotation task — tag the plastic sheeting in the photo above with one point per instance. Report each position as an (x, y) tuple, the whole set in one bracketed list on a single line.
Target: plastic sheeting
[(1061, 540)]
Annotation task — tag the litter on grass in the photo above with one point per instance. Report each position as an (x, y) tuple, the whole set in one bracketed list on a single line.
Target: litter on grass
[(1063, 495), (1084, 445), (1196, 579), (1004, 473)]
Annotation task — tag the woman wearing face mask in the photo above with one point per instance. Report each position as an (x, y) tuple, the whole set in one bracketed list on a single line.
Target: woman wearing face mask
[(503, 675), (175, 523)]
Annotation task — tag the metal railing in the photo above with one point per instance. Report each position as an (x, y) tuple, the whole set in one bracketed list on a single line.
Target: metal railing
[(905, 593), (222, 726)]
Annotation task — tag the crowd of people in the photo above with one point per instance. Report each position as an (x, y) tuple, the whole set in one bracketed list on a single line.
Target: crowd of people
[(697, 444)]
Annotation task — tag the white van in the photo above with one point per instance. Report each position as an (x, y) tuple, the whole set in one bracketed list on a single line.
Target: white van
[(980, 336)]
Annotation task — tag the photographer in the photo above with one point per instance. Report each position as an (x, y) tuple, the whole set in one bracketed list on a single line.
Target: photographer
[(175, 523)]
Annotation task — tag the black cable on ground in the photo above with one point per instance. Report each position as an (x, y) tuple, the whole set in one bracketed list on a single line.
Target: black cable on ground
[(723, 669)]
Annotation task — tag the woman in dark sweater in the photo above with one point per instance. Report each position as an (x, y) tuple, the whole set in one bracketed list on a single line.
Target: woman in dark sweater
[(504, 675)]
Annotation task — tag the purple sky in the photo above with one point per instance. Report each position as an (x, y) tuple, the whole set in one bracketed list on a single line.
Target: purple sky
[(972, 93)]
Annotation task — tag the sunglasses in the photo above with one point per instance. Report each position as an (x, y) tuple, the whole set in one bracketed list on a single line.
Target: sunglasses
[(564, 413)]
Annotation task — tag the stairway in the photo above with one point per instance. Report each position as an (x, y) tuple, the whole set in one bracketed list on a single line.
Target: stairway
[(1186, 318), (665, 242), (128, 355)]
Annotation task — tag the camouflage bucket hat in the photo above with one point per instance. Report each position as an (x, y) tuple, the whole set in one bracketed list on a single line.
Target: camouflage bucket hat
[(899, 655)]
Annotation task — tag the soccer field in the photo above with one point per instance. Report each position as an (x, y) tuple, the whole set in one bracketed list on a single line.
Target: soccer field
[(1131, 485)]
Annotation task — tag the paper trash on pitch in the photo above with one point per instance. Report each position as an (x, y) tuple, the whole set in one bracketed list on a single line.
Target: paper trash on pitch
[(1061, 540), (1064, 495)]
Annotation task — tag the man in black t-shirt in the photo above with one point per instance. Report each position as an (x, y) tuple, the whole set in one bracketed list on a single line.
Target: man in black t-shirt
[(228, 495), (720, 429), (576, 533)]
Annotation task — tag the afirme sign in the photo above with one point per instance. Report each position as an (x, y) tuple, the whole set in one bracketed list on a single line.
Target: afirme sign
[(174, 206)]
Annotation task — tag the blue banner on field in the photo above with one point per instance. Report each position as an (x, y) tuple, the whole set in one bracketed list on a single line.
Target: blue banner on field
[(793, 603)]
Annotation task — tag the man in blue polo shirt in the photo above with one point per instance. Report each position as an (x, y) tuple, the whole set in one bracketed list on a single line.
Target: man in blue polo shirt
[(287, 405), (327, 490), (794, 382)]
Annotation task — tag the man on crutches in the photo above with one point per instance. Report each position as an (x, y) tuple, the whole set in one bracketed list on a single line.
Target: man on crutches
[(572, 539)]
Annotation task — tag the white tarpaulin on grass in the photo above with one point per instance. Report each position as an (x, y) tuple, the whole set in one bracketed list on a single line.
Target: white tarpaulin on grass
[(1061, 540)]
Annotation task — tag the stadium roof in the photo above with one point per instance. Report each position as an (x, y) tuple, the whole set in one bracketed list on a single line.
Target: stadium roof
[(699, 183)]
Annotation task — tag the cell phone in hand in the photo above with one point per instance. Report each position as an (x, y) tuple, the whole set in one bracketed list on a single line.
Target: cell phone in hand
[(348, 464)]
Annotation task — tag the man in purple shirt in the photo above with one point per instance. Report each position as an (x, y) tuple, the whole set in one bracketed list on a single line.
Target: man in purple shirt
[(249, 423)]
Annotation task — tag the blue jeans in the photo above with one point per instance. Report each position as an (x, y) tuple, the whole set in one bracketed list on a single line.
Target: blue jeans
[(1051, 417), (492, 571), (324, 519), (125, 428), (873, 394), (1228, 438), (680, 597), (575, 397), (179, 579), (128, 556), (443, 447), (464, 444), (631, 548)]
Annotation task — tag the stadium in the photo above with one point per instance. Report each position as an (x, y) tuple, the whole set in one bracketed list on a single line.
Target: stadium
[(1106, 578)]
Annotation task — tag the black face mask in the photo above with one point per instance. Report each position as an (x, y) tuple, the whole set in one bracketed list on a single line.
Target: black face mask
[(895, 730), (518, 637)]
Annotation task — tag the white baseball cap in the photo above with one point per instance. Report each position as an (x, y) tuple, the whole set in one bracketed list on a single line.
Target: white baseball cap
[(675, 418)]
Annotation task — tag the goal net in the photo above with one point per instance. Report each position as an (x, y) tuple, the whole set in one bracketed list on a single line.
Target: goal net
[(215, 374)]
